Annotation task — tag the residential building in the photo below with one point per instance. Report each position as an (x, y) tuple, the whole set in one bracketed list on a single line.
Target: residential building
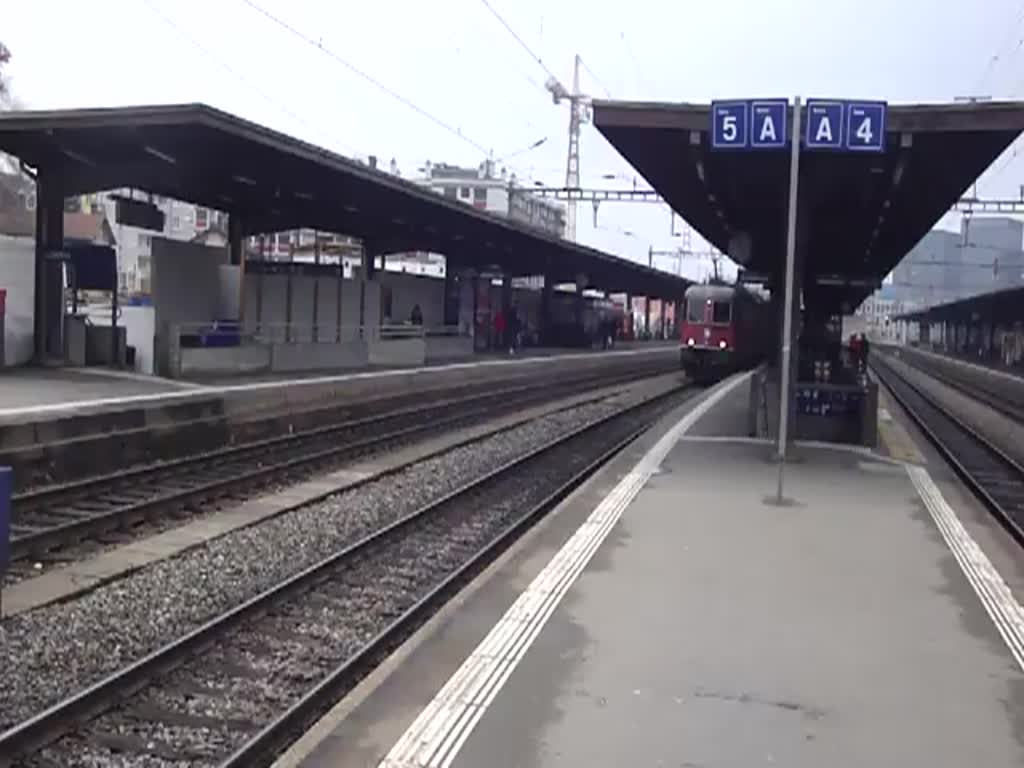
[(879, 310), (497, 192)]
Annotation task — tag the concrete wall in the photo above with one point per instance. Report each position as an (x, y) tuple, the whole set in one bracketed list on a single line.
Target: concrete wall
[(397, 352), (140, 328), (409, 290), (248, 358), (230, 295), (17, 276), (186, 289), (266, 303), (308, 356), (448, 348)]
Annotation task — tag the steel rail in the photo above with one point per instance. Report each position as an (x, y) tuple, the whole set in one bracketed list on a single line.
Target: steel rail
[(943, 430), (65, 716), (233, 474)]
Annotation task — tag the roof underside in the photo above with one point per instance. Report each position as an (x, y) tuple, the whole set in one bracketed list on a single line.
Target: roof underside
[(858, 214), (273, 183)]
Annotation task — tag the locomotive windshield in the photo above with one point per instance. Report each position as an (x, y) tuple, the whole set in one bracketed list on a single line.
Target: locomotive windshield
[(721, 313), (694, 311)]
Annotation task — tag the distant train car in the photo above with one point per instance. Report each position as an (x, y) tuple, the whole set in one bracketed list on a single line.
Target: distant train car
[(725, 328), (574, 325)]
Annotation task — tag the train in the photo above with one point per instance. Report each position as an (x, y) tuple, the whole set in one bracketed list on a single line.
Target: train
[(725, 328), (571, 322)]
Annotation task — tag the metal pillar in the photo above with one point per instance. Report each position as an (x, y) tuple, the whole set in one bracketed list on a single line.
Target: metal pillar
[(545, 308), (451, 293), (49, 296), (647, 316), (506, 308), (790, 294), (365, 273), (236, 255), (316, 287)]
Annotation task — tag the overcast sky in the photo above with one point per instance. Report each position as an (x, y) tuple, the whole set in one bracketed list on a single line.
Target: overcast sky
[(455, 61)]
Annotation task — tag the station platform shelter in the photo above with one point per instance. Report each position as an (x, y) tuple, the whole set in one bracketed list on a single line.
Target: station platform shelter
[(673, 612), (987, 329), (232, 307)]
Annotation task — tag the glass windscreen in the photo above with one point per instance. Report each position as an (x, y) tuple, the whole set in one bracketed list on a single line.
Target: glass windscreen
[(721, 312), (694, 311)]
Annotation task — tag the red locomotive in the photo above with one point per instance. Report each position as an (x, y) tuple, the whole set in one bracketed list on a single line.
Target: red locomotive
[(725, 328)]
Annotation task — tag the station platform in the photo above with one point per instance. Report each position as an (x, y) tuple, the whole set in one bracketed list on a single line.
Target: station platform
[(28, 392), (671, 613), (980, 366), (525, 353), (60, 425), (41, 387)]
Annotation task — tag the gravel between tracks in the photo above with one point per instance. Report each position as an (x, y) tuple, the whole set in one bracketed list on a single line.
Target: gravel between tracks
[(48, 654)]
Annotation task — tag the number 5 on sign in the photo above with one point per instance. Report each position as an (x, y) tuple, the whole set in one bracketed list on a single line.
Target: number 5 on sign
[(865, 126), (729, 124)]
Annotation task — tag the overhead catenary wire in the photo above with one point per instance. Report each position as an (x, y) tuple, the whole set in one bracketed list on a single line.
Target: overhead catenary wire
[(596, 78), (236, 74), (1012, 31), (633, 58), (365, 76), (518, 39)]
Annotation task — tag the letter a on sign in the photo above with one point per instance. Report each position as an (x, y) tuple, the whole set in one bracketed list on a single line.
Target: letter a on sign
[(824, 132), (768, 123), (824, 125)]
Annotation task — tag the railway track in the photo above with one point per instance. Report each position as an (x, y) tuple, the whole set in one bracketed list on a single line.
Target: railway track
[(59, 516), (996, 478), (238, 689), (976, 392)]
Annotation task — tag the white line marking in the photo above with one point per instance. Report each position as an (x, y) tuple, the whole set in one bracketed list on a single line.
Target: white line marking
[(437, 735), (1003, 608), (201, 391)]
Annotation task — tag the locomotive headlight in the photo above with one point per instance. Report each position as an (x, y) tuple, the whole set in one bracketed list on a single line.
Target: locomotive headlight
[(722, 344), (689, 342)]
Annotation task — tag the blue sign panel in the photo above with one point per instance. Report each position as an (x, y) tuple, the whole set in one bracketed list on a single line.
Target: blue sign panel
[(865, 126), (768, 123), (824, 124), (729, 123), (6, 488)]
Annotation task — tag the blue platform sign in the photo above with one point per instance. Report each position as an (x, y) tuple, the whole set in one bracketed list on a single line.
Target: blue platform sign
[(729, 124), (6, 488), (824, 124), (865, 126), (768, 123)]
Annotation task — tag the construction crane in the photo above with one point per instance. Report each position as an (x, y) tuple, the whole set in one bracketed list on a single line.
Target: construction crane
[(579, 114)]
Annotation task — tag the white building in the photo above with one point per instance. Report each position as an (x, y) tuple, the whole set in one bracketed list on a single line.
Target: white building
[(499, 193), (879, 311)]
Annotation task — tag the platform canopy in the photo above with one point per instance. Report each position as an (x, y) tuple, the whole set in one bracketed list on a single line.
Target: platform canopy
[(1004, 307), (859, 213), (274, 182)]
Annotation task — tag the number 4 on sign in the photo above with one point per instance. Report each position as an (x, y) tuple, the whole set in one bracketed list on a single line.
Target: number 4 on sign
[(865, 128)]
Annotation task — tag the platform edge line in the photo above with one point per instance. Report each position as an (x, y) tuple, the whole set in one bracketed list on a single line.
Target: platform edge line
[(408, 749), (990, 587)]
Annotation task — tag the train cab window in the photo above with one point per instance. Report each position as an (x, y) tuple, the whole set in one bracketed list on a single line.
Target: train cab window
[(721, 312), (694, 311)]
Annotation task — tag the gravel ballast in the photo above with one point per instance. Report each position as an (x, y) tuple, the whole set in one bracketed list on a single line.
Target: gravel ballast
[(50, 653)]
